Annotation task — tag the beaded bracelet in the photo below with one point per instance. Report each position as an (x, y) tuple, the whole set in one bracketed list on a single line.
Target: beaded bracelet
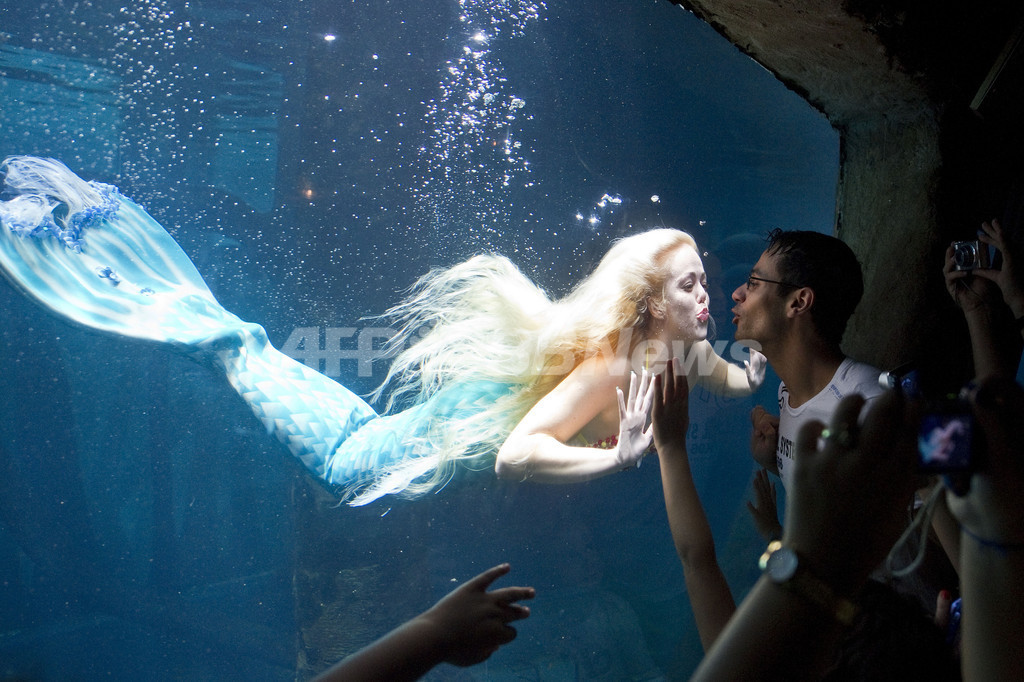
[(998, 546)]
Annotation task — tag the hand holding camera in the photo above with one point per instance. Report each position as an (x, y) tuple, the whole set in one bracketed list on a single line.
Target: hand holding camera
[(971, 255), (1007, 276), (967, 271)]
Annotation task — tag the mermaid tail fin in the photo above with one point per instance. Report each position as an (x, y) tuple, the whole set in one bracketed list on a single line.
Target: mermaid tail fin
[(106, 265), (95, 258)]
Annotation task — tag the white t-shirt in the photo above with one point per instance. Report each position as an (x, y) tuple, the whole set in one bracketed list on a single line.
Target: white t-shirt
[(851, 377)]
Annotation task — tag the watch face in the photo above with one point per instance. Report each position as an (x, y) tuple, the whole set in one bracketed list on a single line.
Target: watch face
[(782, 564)]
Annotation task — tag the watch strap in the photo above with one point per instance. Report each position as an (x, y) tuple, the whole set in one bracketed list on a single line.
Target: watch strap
[(814, 590)]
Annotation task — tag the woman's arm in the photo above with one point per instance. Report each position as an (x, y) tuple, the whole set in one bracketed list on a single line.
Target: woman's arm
[(846, 508), (464, 628), (991, 517), (710, 599), (704, 367), (995, 344), (536, 449), (1009, 278), (764, 509)]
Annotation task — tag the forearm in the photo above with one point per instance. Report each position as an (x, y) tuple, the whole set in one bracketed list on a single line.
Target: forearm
[(545, 459), (995, 346), (993, 593), (406, 653), (776, 634), (717, 374), (1015, 301), (691, 532), (710, 598), (736, 382), (948, 532)]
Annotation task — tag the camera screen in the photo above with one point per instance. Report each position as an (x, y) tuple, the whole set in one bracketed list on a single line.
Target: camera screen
[(944, 441), (910, 384)]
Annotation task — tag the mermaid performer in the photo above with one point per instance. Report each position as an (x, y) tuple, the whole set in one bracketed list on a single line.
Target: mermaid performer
[(501, 368)]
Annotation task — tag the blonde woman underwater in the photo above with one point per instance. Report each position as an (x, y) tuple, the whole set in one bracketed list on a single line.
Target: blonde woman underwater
[(488, 371)]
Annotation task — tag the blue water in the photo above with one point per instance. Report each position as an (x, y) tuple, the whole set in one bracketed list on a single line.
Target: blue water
[(150, 530)]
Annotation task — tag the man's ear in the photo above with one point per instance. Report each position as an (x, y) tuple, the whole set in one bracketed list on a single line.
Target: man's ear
[(800, 302)]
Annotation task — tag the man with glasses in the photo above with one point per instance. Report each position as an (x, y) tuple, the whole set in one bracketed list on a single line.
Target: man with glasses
[(796, 304)]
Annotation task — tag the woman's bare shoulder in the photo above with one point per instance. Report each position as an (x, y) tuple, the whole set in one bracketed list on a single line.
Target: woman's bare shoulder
[(601, 371)]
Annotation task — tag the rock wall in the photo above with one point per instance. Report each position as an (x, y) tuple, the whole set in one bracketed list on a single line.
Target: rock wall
[(897, 78)]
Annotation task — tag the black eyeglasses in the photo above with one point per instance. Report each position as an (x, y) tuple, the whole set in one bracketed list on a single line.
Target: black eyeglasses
[(751, 279)]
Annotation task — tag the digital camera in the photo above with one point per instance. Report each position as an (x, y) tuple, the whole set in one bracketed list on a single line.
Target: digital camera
[(972, 255), (945, 438)]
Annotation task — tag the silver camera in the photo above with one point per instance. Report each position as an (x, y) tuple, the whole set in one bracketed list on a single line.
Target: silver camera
[(971, 256)]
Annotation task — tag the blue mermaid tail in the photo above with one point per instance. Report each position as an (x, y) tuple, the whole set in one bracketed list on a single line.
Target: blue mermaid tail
[(95, 258)]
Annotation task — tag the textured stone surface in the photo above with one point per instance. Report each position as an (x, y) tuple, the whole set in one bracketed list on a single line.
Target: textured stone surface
[(919, 168), (830, 57)]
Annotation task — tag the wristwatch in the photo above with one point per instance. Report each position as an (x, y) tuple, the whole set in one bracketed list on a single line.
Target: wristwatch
[(783, 566)]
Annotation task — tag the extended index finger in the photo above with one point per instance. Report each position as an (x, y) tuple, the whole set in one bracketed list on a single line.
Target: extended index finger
[(484, 580)]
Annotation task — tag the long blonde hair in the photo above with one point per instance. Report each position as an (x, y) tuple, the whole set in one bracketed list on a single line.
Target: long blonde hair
[(484, 321)]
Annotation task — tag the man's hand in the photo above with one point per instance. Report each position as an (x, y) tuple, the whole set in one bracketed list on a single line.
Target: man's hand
[(764, 509), (765, 438)]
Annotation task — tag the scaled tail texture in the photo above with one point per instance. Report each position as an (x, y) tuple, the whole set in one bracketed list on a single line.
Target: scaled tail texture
[(93, 257)]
